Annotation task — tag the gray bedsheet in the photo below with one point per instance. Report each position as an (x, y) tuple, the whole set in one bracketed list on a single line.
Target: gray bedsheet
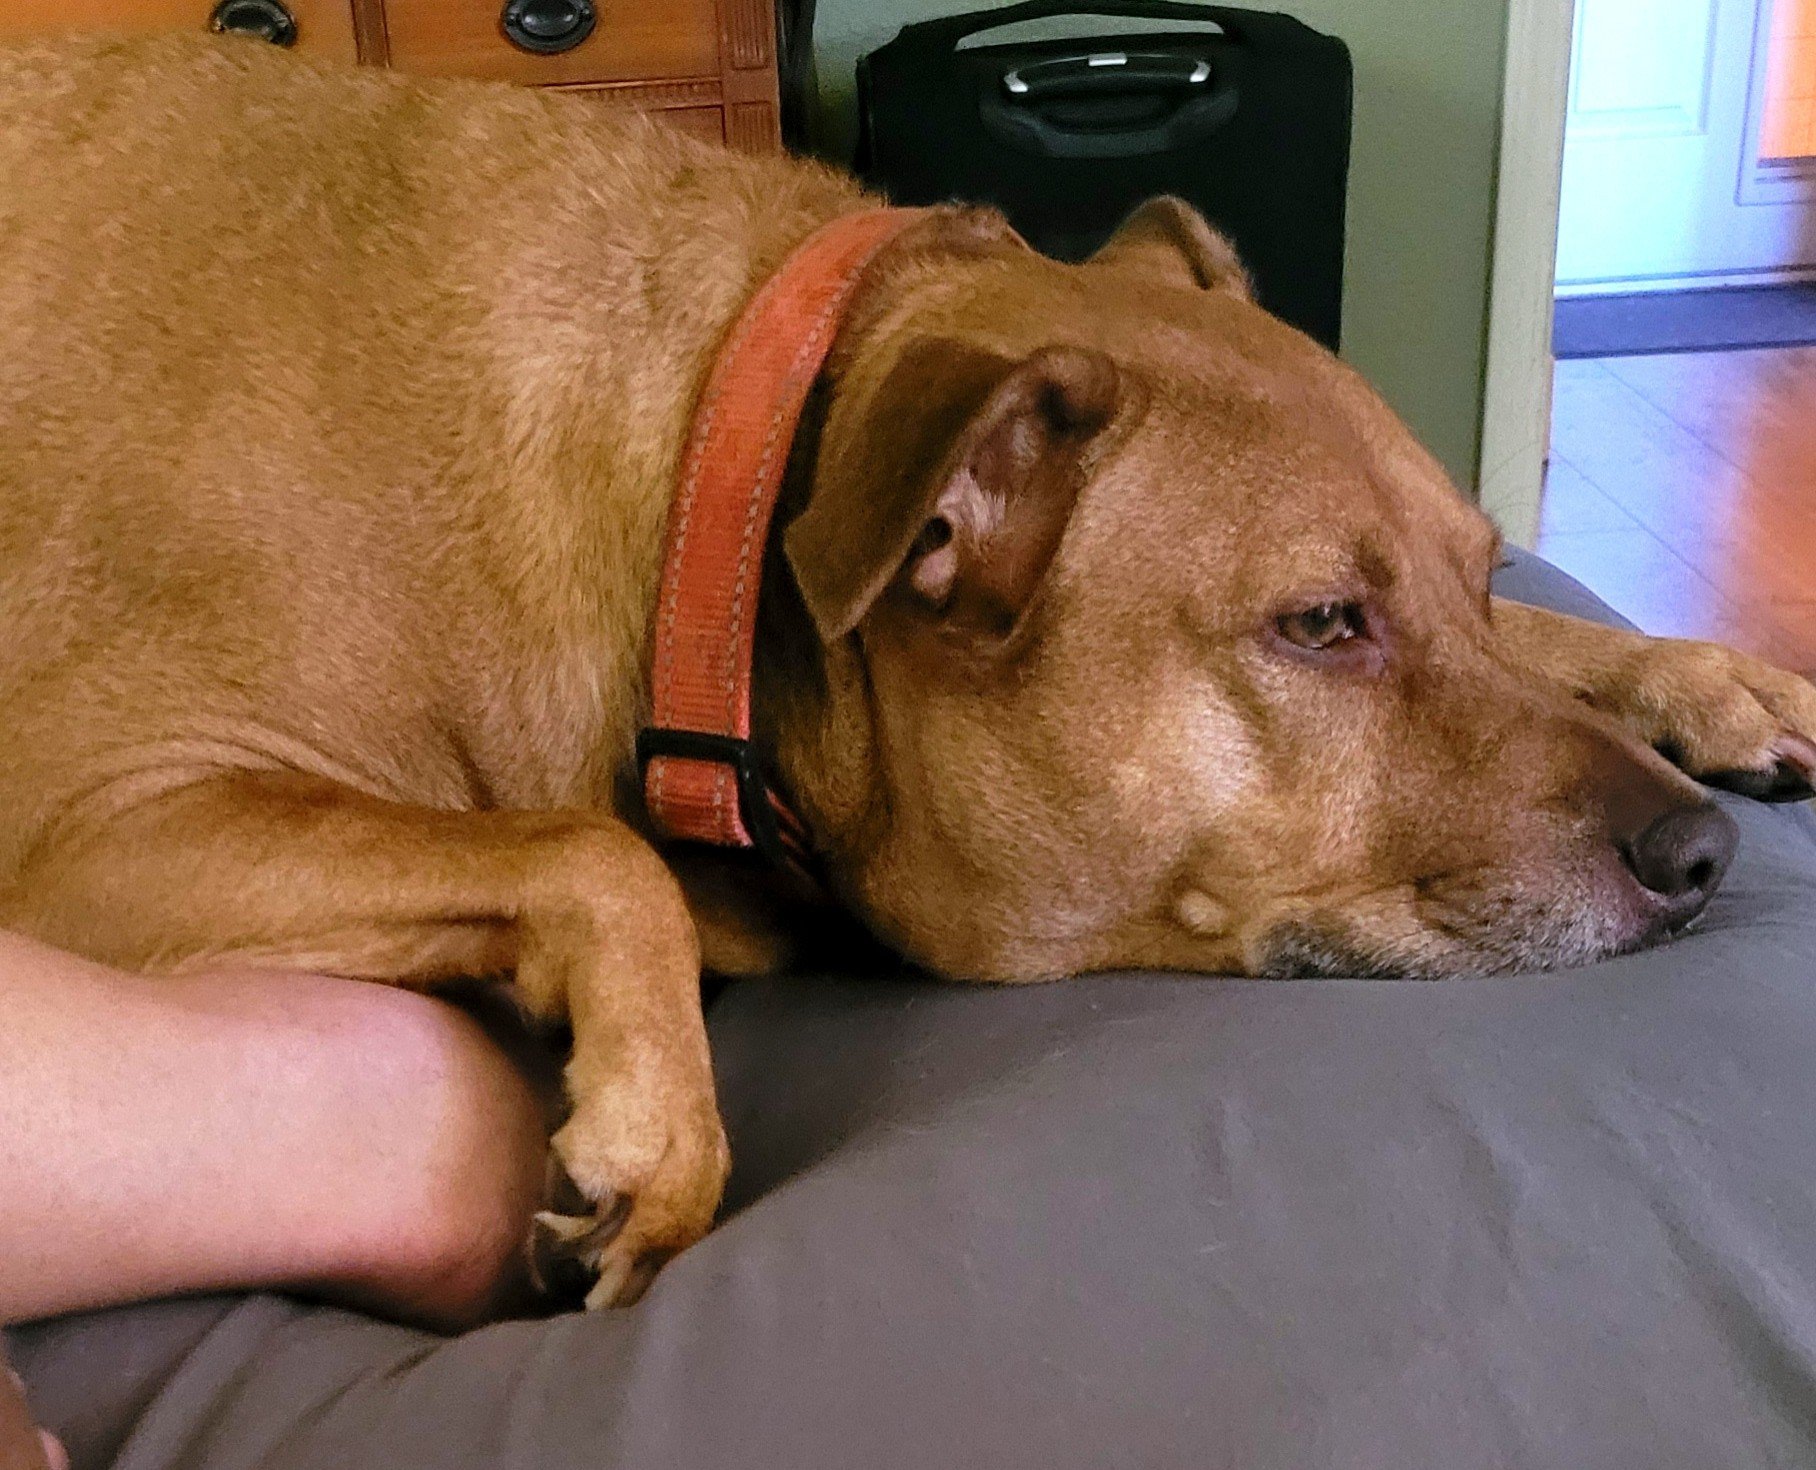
[(1562, 1221)]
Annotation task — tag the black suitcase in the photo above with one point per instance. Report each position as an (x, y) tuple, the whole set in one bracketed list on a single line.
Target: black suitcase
[(1067, 137)]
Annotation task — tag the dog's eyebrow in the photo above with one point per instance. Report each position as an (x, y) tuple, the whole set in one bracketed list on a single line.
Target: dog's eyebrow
[(1373, 562)]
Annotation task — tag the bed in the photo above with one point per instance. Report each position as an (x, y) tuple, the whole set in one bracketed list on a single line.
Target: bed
[(1562, 1221)]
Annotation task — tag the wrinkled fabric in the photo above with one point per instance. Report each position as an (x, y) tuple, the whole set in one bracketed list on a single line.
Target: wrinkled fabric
[(1563, 1221)]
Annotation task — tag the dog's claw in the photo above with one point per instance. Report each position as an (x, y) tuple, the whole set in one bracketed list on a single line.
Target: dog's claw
[(623, 1282), (1791, 776), (566, 1250), (1796, 758)]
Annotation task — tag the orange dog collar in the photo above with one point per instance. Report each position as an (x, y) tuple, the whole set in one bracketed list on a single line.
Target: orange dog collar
[(703, 780)]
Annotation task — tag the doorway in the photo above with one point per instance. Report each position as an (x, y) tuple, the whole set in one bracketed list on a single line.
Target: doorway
[(1681, 482), (1689, 146)]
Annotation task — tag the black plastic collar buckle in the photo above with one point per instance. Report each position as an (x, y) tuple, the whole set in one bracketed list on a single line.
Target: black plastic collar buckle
[(756, 804)]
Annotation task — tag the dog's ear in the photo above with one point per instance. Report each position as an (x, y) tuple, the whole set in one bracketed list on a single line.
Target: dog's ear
[(954, 490), (1166, 238)]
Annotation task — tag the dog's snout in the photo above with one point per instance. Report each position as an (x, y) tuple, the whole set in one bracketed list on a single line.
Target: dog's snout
[(1675, 844), (1682, 857)]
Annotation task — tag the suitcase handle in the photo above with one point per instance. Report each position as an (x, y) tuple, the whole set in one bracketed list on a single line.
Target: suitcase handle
[(1105, 71), (953, 29), (1016, 117)]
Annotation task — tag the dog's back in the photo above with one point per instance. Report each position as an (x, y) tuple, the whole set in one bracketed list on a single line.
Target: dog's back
[(338, 415)]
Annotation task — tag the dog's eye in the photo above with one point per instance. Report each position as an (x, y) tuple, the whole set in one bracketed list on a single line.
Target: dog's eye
[(1325, 626)]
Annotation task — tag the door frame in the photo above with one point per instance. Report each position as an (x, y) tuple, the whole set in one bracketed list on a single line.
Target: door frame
[(1516, 387)]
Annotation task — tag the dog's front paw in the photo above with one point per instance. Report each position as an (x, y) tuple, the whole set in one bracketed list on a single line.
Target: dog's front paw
[(1724, 717), (632, 1185)]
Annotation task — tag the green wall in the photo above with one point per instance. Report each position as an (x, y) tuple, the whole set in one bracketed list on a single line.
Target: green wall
[(1422, 179)]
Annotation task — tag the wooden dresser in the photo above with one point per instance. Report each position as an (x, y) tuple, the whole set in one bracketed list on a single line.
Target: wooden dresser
[(706, 65)]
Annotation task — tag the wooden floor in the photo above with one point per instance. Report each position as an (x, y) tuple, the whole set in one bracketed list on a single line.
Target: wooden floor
[(1683, 490)]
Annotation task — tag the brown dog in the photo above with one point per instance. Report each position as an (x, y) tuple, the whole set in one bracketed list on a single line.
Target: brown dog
[(1112, 623)]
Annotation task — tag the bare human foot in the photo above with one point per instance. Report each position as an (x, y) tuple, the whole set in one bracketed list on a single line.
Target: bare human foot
[(24, 1446)]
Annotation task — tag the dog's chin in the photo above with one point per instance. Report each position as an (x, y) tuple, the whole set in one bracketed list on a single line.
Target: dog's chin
[(1329, 948), (1306, 949)]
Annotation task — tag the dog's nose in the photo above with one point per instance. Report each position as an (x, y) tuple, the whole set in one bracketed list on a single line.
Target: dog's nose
[(1682, 856)]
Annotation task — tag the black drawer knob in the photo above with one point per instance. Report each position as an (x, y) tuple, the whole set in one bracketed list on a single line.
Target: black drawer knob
[(549, 27), (266, 18)]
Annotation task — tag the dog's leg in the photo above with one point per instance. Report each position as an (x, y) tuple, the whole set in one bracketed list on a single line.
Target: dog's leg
[(1726, 718), (303, 873)]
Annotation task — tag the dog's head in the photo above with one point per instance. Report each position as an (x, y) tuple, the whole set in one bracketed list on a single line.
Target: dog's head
[(1150, 636)]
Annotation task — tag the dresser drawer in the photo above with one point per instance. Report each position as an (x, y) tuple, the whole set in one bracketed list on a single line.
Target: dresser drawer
[(631, 40), (706, 66), (323, 27)]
